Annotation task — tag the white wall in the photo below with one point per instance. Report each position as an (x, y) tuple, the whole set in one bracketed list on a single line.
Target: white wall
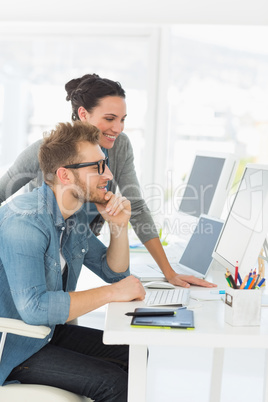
[(137, 11)]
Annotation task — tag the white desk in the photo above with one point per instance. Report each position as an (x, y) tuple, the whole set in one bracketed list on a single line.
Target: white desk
[(210, 332)]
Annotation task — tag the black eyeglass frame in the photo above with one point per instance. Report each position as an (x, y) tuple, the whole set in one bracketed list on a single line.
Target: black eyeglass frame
[(101, 162)]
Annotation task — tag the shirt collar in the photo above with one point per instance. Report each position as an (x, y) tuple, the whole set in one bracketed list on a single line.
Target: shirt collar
[(51, 204), (52, 207)]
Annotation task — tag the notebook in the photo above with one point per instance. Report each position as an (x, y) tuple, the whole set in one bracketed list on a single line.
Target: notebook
[(197, 255), (182, 318)]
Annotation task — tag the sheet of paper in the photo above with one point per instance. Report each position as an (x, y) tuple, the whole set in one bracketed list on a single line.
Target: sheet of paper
[(207, 295)]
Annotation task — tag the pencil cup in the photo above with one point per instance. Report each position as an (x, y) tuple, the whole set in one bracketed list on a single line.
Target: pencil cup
[(243, 307)]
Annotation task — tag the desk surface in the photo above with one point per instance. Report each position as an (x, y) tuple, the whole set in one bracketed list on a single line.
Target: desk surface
[(210, 328), (210, 331)]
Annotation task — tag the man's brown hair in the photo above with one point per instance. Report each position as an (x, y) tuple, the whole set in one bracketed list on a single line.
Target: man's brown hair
[(59, 147)]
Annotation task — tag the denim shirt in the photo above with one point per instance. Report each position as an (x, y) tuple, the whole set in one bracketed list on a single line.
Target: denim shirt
[(30, 271)]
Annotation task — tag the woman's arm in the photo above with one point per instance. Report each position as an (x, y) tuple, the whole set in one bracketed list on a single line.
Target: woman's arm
[(25, 169), (155, 248), (122, 165), (121, 160)]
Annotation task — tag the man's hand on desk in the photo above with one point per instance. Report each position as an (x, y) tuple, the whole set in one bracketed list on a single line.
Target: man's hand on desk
[(128, 289), (187, 280)]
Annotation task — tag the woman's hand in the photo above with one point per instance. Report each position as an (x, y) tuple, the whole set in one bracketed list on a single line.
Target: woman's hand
[(187, 280)]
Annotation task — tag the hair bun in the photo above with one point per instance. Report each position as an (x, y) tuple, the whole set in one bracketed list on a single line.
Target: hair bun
[(72, 86)]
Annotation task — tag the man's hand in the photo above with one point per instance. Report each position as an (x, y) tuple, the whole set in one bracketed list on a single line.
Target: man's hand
[(117, 210), (187, 280), (128, 289)]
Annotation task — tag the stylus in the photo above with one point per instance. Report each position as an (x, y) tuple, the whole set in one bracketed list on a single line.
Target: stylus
[(150, 313)]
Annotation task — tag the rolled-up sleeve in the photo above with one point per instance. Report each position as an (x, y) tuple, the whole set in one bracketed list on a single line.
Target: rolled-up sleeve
[(37, 302), (41, 307)]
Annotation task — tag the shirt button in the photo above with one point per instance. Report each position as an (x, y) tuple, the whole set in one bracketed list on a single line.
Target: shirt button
[(63, 228), (83, 250), (49, 340)]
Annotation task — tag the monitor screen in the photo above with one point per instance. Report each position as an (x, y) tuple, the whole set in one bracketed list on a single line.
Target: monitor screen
[(246, 226), (208, 184), (198, 252)]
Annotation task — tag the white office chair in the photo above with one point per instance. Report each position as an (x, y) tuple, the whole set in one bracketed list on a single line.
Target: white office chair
[(31, 392)]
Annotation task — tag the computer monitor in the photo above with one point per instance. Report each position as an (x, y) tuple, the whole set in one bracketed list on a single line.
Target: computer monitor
[(208, 184), (245, 229)]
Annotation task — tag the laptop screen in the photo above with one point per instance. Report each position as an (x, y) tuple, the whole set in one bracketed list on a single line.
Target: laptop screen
[(198, 252)]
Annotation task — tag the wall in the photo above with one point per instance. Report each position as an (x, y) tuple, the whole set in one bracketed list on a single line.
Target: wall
[(138, 11)]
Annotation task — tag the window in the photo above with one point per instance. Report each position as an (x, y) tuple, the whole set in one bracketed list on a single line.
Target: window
[(34, 70), (189, 88), (218, 92), (217, 97)]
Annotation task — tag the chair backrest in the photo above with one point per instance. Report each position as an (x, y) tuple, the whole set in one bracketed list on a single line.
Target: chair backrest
[(31, 392)]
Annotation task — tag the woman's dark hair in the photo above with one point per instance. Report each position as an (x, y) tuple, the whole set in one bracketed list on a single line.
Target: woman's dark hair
[(88, 90)]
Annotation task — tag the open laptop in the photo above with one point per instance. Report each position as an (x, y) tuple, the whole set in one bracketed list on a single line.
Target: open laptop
[(196, 257)]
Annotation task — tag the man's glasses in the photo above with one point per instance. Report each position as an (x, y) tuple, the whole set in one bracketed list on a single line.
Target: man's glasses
[(101, 165)]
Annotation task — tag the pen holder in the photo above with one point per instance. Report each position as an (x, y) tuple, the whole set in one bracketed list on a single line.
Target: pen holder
[(243, 307)]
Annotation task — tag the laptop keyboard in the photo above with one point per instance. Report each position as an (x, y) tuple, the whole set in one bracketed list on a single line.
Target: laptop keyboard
[(184, 270), (179, 269), (167, 297)]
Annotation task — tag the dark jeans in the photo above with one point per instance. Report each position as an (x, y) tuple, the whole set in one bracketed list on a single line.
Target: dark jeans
[(77, 360)]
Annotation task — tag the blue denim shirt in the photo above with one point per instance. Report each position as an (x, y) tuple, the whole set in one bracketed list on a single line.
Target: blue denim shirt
[(30, 271)]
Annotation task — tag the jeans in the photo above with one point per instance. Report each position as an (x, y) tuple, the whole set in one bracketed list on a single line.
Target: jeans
[(77, 360)]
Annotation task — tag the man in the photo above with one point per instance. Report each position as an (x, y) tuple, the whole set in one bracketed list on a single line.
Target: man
[(44, 240)]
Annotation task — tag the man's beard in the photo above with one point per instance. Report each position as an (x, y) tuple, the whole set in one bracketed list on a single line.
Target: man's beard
[(84, 195)]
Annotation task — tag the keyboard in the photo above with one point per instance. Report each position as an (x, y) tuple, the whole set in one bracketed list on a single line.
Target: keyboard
[(167, 297), (184, 270)]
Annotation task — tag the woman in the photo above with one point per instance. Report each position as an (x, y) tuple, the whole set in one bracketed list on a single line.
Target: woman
[(101, 102)]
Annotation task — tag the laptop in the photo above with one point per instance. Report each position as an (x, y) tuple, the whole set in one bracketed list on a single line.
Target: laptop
[(196, 257)]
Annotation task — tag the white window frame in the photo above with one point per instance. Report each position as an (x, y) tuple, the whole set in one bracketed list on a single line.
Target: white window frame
[(155, 121)]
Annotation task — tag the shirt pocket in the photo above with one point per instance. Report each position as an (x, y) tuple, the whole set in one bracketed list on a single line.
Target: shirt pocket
[(53, 273), (79, 251), (77, 259)]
